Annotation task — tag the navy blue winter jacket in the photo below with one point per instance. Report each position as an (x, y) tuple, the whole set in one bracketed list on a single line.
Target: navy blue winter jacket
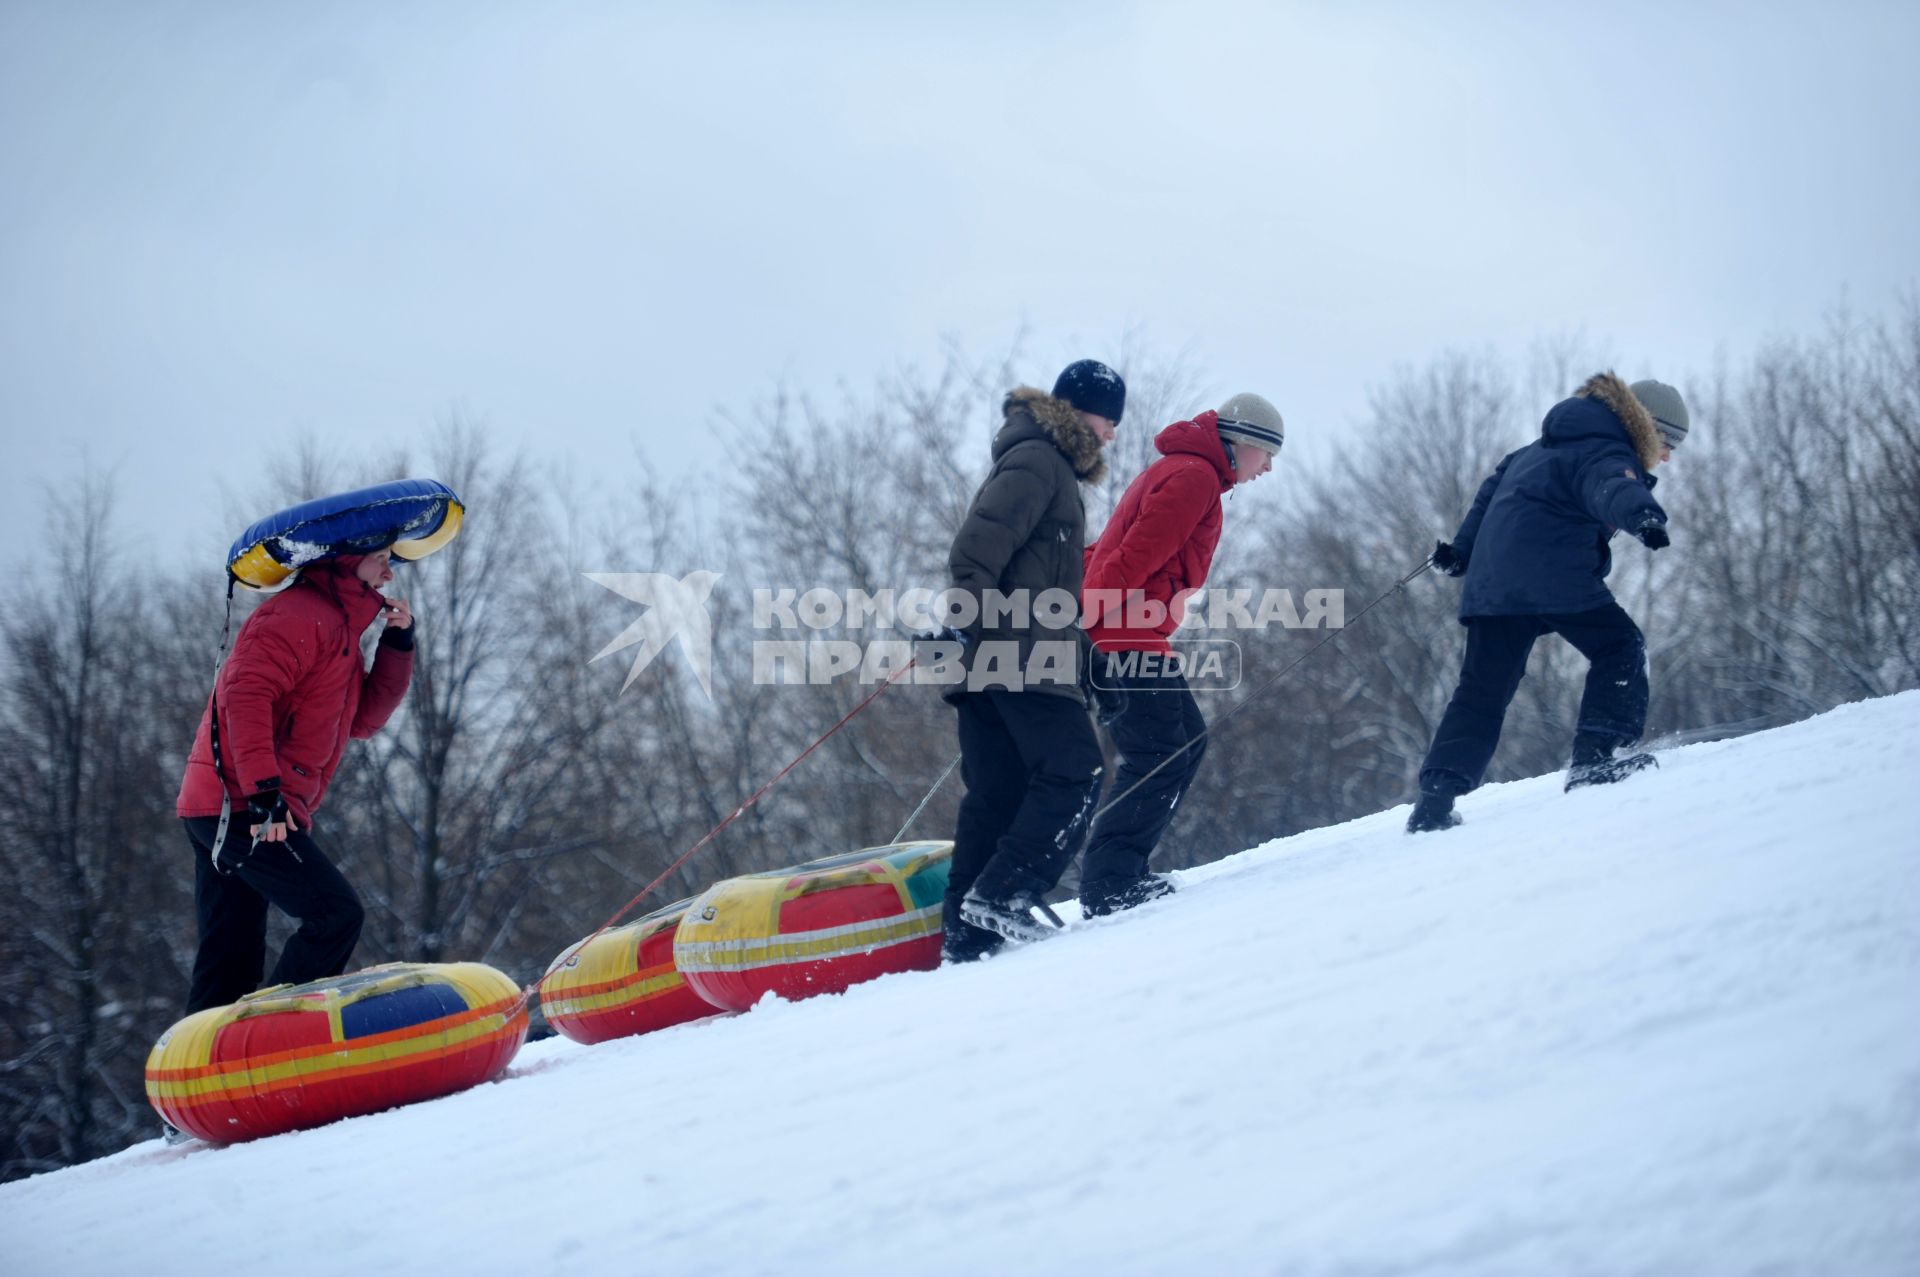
[(1535, 540)]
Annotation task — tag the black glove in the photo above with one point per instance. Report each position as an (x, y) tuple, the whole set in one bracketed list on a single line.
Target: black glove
[(398, 640), (1447, 559), (1653, 533), (1109, 701), (268, 806), (946, 639)]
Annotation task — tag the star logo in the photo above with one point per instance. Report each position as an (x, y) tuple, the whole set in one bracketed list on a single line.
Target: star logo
[(675, 609)]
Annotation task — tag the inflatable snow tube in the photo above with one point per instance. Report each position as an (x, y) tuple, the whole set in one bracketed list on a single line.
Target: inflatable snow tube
[(819, 928), (296, 1056), (621, 982), (414, 516)]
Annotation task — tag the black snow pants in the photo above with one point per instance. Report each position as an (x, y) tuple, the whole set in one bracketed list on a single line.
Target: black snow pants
[(1159, 718), (233, 914), (1032, 766), (1613, 708)]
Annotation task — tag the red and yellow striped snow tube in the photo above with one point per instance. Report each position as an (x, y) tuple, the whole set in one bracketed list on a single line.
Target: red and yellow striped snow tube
[(819, 928), (622, 982), (296, 1056)]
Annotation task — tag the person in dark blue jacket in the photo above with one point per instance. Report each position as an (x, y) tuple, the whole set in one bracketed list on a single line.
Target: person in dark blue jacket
[(1534, 553)]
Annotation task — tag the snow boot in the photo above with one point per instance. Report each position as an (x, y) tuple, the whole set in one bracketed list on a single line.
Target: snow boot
[(1605, 771), (1594, 763), (1012, 919), (1433, 812), (1097, 900), (968, 945)]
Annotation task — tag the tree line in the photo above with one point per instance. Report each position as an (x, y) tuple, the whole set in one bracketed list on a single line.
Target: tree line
[(520, 795)]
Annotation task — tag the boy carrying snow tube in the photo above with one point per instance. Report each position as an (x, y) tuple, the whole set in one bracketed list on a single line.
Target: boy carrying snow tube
[(285, 703)]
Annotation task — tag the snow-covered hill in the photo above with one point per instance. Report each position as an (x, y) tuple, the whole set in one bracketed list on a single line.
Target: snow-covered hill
[(1668, 1028)]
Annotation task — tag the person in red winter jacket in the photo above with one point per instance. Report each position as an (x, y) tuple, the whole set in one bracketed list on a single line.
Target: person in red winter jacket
[(289, 697), (1154, 553)]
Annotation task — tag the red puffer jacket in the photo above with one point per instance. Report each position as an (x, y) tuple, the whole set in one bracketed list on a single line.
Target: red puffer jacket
[(1160, 540), (293, 691)]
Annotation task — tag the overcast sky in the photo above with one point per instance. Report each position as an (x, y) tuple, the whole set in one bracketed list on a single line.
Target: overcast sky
[(595, 226)]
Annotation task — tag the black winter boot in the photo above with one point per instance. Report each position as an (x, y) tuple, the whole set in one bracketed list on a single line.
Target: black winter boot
[(1012, 919), (1097, 900), (1594, 763), (968, 944), (1433, 812), (1608, 770)]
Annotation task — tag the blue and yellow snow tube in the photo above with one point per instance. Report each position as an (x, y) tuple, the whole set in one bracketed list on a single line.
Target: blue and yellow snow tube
[(413, 516)]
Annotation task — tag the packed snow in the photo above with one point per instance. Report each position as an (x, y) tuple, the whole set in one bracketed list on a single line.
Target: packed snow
[(1670, 1027)]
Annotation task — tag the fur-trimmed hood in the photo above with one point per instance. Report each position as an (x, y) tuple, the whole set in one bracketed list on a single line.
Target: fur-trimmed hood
[(1060, 423), (1608, 389)]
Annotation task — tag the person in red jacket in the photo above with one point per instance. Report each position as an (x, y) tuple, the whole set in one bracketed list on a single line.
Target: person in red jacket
[(1156, 550), (291, 694)]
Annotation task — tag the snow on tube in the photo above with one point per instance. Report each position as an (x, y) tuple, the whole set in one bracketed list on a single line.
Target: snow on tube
[(299, 1055), (621, 982), (414, 516), (819, 928)]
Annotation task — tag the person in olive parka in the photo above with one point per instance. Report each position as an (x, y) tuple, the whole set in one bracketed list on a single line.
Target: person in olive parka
[(1029, 755), (1534, 552)]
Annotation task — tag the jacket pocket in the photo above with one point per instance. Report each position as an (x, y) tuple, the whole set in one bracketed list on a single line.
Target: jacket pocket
[(1061, 557)]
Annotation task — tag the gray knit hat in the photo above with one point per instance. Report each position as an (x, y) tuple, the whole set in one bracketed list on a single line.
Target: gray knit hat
[(1251, 420), (1668, 409)]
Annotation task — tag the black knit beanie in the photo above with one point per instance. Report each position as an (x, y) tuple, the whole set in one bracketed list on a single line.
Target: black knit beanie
[(1091, 386)]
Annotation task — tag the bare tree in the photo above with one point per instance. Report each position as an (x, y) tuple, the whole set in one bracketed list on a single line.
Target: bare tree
[(84, 785), (525, 790)]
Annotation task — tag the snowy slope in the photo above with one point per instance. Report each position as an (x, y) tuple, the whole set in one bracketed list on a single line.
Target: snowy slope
[(1672, 1028)]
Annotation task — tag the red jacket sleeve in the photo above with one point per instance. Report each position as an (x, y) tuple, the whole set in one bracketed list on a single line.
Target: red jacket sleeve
[(385, 687), (269, 659), (1168, 514)]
